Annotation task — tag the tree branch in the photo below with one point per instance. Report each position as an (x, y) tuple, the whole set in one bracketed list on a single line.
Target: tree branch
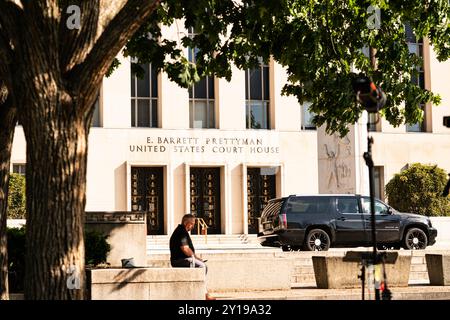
[(120, 29)]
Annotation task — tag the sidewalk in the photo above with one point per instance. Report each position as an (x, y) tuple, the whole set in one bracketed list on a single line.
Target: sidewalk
[(412, 292)]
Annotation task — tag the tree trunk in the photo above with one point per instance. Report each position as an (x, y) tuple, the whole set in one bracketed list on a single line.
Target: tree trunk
[(7, 124), (56, 185), (55, 73)]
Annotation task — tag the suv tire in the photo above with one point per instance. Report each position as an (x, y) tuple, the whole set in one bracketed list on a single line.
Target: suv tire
[(415, 239), (317, 240)]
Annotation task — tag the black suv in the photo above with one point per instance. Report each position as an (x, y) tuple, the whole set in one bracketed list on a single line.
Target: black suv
[(319, 222)]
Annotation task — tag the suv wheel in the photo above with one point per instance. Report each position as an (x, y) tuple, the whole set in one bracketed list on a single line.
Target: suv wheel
[(415, 239), (317, 240)]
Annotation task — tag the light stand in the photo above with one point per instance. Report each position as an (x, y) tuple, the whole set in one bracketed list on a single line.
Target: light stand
[(372, 99), (369, 162)]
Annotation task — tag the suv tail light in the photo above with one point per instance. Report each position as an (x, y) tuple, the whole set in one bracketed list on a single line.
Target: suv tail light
[(283, 221)]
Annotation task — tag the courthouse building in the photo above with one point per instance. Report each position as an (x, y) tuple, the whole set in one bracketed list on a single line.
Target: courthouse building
[(221, 150)]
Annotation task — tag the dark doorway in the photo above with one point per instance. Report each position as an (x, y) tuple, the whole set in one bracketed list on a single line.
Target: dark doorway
[(205, 197), (260, 189), (147, 194)]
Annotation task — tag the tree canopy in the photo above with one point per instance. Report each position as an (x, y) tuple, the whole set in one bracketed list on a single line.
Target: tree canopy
[(51, 74), (320, 43)]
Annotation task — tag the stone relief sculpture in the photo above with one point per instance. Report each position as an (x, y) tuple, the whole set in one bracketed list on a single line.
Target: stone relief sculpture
[(339, 158)]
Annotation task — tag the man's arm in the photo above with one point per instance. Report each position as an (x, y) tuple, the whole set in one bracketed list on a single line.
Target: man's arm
[(187, 251)]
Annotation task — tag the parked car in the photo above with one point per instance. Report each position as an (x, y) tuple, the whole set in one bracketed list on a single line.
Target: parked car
[(318, 222)]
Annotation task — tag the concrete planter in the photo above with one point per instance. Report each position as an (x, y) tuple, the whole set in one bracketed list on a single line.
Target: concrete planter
[(438, 266), (243, 274), (332, 272), (146, 284)]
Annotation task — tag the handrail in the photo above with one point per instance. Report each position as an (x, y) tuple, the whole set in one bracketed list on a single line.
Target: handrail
[(201, 224)]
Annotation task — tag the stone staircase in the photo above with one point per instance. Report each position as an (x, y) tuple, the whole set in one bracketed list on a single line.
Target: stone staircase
[(232, 246), (160, 243), (419, 272)]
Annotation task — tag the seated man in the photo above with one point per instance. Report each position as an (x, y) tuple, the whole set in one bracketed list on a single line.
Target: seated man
[(182, 252)]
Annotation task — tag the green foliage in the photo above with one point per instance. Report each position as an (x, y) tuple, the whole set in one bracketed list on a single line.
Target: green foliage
[(318, 42), (97, 248), (418, 189), (16, 197)]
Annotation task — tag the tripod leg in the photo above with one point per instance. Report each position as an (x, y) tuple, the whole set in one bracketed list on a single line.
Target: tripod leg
[(363, 278)]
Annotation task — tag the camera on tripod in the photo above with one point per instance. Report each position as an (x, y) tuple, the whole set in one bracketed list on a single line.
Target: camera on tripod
[(371, 96)]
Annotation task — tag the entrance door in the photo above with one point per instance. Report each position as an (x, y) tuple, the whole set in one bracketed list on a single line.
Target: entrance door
[(147, 186), (260, 189), (205, 197)]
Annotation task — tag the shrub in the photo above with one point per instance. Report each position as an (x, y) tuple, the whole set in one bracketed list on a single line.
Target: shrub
[(96, 252), (97, 248), (418, 189), (16, 197)]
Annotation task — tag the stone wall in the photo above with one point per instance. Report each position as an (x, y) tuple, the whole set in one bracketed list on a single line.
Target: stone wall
[(146, 284), (127, 235)]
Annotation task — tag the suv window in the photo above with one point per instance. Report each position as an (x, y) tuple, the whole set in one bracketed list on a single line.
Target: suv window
[(347, 205), (380, 207), (272, 208), (300, 205)]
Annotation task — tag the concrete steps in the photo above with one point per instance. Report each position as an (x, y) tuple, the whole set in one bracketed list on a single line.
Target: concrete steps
[(214, 241), (232, 246)]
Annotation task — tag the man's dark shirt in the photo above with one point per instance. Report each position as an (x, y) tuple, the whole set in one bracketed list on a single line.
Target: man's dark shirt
[(180, 237)]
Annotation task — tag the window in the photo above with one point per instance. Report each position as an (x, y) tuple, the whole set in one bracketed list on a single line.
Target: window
[(380, 207), (378, 176), (96, 119), (19, 168), (347, 205), (416, 46), (300, 205), (144, 98), (307, 117), (201, 96), (257, 97)]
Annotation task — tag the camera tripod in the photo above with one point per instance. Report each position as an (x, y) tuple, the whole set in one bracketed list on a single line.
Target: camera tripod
[(375, 260), (378, 267)]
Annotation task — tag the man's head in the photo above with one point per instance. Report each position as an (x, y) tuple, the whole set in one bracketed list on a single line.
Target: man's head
[(188, 221)]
